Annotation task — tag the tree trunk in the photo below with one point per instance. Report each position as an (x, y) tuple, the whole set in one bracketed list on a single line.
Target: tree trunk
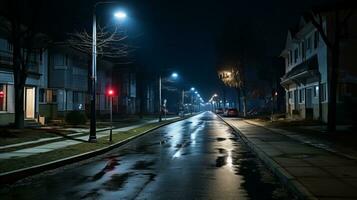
[(19, 84), (244, 103), (239, 103), (331, 114)]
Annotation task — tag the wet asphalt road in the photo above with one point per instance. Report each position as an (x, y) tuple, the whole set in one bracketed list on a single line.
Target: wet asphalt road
[(197, 158)]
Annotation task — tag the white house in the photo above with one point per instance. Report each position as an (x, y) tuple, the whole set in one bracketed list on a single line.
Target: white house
[(307, 64)]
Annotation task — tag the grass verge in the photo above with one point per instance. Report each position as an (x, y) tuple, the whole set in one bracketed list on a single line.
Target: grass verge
[(20, 163)]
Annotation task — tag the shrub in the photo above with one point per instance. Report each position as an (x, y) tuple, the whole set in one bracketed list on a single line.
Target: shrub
[(76, 118)]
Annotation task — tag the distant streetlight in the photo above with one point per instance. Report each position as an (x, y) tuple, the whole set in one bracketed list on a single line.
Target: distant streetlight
[(173, 75), (118, 15), (192, 89)]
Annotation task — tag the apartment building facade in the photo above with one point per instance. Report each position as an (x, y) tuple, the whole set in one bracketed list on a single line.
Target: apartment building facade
[(36, 79)]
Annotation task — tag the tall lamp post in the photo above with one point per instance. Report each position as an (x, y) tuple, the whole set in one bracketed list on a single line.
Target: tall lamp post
[(192, 89), (118, 15), (173, 75)]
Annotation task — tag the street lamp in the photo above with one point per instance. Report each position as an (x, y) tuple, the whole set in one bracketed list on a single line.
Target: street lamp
[(111, 94), (118, 15), (173, 75)]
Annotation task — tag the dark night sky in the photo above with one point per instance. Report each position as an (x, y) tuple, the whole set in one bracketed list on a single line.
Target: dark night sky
[(184, 35)]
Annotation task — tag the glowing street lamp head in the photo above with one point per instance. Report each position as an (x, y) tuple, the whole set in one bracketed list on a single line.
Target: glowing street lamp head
[(196, 92), (120, 15), (174, 75), (192, 89)]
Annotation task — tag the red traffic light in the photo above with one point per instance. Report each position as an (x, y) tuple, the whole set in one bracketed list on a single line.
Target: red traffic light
[(110, 92)]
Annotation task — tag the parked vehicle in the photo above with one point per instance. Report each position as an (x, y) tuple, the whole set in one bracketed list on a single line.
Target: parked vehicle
[(231, 112), (219, 111)]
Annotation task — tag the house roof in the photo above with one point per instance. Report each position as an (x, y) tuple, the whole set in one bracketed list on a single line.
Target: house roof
[(310, 64)]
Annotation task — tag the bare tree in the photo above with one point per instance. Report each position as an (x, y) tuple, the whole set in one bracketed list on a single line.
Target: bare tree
[(339, 17), (21, 25), (233, 77), (110, 42)]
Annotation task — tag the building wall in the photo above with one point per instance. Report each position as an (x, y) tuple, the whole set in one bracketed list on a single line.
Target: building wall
[(35, 78)]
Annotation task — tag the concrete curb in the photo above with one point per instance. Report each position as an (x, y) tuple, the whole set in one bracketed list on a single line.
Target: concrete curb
[(13, 176), (288, 180)]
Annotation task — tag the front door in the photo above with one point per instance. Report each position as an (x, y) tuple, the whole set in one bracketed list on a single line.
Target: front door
[(30, 102)]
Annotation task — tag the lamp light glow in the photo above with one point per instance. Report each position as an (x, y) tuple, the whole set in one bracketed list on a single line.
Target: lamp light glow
[(120, 15), (174, 75)]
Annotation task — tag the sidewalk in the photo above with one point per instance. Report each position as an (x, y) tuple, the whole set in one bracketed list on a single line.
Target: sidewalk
[(311, 172), (76, 138)]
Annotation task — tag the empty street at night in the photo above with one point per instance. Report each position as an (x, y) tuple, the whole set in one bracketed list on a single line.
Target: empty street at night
[(197, 158), (178, 99)]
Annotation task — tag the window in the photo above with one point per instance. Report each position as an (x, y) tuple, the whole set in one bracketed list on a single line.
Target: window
[(323, 92), (66, 60), (316, 39), (59, 60), (290, 94), (3, 97), (78, 100), (308, 43), (42, 96), (316, 90), (303, 52), (9, 47), (51, 96), (301, 95), (296, 55)]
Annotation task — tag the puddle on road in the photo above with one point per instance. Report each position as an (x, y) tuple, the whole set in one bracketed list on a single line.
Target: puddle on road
[(256, 177), (111, 164), (143, 165), (221, 159), (116, 181), (93, 194), (220, 139)]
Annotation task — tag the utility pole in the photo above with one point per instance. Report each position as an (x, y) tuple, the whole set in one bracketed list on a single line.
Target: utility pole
[(92, 132), (160, 106)]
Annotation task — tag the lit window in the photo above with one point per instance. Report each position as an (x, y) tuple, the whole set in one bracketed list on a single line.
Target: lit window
[(51, 96), (316, 90), (3, 97)]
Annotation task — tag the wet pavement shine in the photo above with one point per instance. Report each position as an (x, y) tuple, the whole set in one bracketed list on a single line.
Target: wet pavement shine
[(196, 158)]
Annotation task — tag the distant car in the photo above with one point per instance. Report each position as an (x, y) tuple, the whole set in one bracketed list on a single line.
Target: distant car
[(231, 112), (219, 111)]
